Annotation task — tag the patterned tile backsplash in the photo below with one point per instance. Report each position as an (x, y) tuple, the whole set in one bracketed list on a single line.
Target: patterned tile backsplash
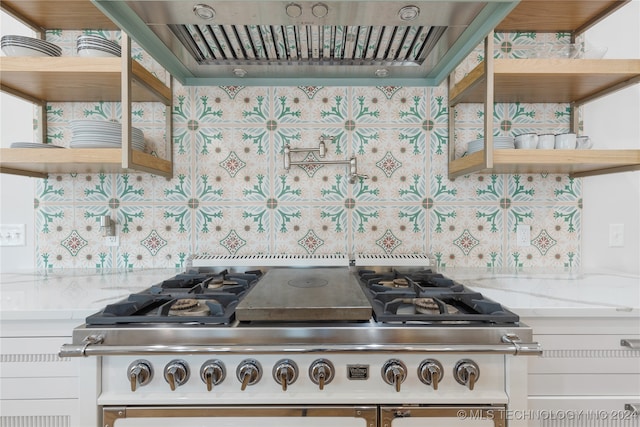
[(230, 193)]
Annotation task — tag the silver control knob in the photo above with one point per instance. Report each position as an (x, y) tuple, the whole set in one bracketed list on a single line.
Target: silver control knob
[(176, 373), (466, 372), (139, 373), (321, 372), (285, 372), (394, 372), (430, 372), (249, 372), (212, 373)]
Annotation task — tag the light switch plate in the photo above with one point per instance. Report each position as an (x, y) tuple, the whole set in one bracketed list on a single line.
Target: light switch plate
[(616, 235), (12, 235)]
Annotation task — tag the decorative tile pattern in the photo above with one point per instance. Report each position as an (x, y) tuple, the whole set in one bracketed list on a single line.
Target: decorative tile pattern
[(73, 243), (230, 193), (153, 242)]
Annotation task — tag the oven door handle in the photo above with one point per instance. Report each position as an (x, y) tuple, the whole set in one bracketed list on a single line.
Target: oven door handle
[(97, 349)]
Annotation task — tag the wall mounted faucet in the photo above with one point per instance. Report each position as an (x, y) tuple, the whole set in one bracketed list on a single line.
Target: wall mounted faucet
[(322, 150), (107, 226)]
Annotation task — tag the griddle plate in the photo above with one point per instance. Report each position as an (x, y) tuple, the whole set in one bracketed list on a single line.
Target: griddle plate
[(305, 295)]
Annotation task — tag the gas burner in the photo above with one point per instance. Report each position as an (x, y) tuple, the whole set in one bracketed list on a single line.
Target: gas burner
[(194, 297), (429, 298)]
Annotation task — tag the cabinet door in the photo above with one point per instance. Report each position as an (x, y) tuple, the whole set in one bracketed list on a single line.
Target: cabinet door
[(39, 413), (585, 365)]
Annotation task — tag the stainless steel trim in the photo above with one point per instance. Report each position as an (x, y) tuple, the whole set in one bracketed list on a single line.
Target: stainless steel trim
[(633, 344), (70, 350), (473, 414), (368, 413)]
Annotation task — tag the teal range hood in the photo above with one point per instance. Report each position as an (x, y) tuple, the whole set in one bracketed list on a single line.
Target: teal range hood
[(307, 43)]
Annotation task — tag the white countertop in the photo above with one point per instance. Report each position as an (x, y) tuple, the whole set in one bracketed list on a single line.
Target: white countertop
[(70, 293), (534, 293), (78, 293)]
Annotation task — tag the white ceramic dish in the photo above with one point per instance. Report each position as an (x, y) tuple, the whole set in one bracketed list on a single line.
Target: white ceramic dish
[(32, 145), (527, 141), (13, 45), (583, 142), (16, 50), (96, 53), (546, 141), (565, 141)]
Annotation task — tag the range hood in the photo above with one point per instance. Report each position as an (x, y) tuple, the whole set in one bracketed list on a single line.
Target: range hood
[(317, 43)]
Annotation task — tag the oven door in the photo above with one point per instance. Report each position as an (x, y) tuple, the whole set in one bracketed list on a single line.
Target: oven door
[(442, 416), (240, 416)]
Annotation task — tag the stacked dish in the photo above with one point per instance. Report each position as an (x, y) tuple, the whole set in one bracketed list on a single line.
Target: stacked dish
[(96, 46), (28, 46), (32, 145), (100, 134), (499, 143)]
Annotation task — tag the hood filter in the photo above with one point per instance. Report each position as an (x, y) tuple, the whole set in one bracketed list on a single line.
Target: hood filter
[(308, 44)]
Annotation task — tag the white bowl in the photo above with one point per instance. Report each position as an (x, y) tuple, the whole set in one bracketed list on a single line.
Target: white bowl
[(565, 141), (12, 50), (583, 142), (527, 141), (95, 53), (546, 141)]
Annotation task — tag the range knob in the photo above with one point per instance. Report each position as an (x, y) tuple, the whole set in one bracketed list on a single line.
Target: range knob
[(212, 373), (321, 372), (139, 373), (430, 372), (248, 372), (466, 372), (285, 372), (394, 372), (176, 373)]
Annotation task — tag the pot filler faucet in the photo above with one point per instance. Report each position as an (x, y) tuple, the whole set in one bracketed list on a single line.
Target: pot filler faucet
[(322, 150)]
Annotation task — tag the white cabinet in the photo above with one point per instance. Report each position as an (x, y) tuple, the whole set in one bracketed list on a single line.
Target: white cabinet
[(585, 376), (37, 387)]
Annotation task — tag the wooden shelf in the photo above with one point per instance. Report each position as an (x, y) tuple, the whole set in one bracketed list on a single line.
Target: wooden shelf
[(58, 14), (77, 79), (576, 163), (544, 80), (547, 80), (550, 16), (41, 162)]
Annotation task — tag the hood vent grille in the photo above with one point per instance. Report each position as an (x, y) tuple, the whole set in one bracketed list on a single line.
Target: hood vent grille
[(308, 44)]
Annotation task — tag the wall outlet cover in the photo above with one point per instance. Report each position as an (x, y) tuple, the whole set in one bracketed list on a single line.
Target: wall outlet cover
[(523, 235), (112, 241), (616, 235)]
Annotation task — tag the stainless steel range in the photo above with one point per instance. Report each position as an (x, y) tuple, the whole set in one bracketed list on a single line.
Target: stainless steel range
[(366, 341)]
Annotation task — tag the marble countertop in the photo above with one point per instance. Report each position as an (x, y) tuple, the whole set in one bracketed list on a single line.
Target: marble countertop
[(70, 293), (535, 293), (78, 293)]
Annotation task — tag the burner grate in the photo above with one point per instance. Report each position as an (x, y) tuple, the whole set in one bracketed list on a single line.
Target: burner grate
[(397, 298), (215, 305)]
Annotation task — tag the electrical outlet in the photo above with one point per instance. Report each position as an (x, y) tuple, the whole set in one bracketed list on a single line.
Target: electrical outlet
[(616, 235), (523, 235), (112, 241), (12, 235)]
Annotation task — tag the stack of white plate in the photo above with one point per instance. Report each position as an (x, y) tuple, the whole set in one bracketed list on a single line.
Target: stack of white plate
[(499, 143), (96, 46), (100, 134), (28, 46), (33, 145)]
